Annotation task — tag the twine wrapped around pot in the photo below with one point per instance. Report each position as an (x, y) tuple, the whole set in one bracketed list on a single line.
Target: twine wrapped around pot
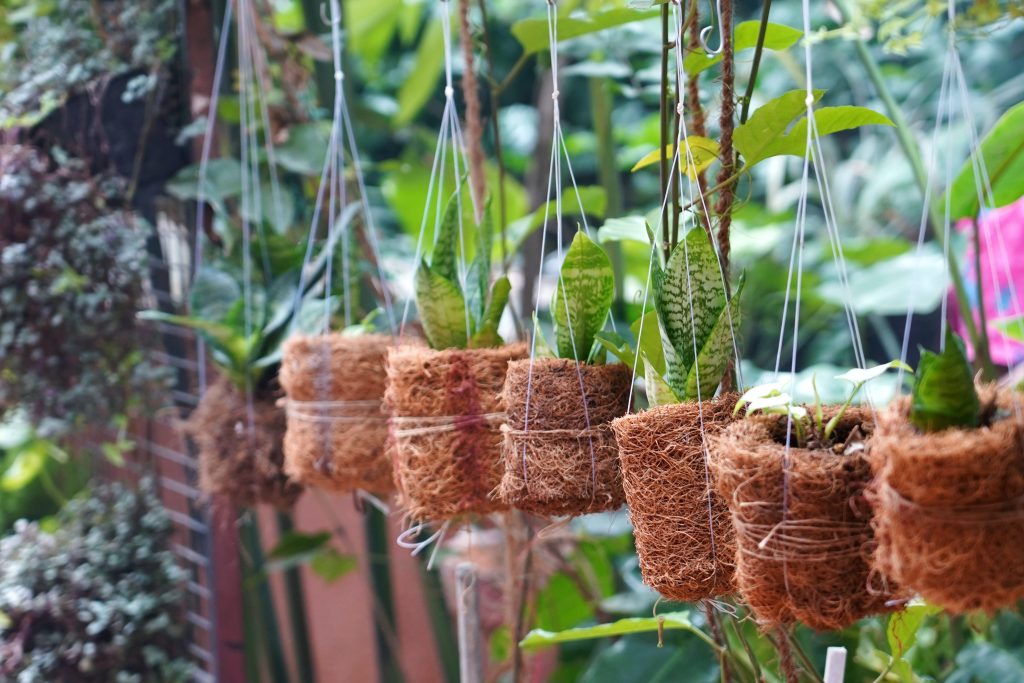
[(336, 427), (949, 506), (446, 417), (559, 452), (241, 461), (803, 532), (683, 535)]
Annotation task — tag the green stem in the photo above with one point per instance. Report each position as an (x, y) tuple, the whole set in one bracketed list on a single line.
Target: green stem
[(380, 580), (607, 171), (499, 156), (271, 635), (441, 623), (663, 113), (766, 9), (295, 596), (802, 656), (910, 150)]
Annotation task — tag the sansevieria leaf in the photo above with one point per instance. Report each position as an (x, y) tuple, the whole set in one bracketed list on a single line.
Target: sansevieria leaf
[(658, 392), (487, 334), (944, 394), (648, 335), (442, 309), (689, 295), (714, 356), (583, 296), (443, 261)]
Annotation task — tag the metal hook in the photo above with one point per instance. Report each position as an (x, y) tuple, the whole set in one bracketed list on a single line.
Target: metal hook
[(332, 22), (703, 38)]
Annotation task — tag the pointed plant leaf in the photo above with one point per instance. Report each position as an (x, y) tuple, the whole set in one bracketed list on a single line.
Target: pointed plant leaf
[(532, 34), (689, 298), (500, 291), (768, 123), (659, 392), (1002, 151), (704, 152), (828, 120), (538, 638), (219, 335), (214, 291), (776, 37), (714, 356), (944, 395), (1012, 327), (860, 376), (444, 260), (647, 331), (617, 345), (583, 297), (442, 309)]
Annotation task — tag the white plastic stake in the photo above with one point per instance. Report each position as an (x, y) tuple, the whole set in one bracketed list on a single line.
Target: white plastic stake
[(835, 665)]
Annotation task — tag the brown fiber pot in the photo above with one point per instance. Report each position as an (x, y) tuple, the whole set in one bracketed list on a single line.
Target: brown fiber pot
[(683, 535), (803, 530), (949, 506), (336, 425), (239, 460), (446, 418), (559, 450)]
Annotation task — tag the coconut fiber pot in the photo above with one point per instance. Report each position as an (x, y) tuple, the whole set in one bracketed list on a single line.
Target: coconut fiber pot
[(559, 451), (336, 426), (241, 461), (683, 536), (804, 541), (446, 417), (949, 506)]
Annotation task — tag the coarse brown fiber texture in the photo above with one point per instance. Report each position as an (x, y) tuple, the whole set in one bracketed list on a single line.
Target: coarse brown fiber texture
[(446, 418), (336, 425), (949, 506), (803, 531), (559, 450), (241, 461), (683, 535)]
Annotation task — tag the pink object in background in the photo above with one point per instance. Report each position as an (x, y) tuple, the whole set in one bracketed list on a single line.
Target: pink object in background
[(1002, 272)]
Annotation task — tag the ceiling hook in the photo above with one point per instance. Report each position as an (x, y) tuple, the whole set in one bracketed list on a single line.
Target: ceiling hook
[(704, 32), (324, 18)]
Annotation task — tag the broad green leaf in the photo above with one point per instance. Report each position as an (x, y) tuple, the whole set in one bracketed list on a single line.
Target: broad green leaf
[(828, 120), (218, 334), (689, 296), (776, 37), (583, 297), (647, 332), (753, 138), (421, 83), (26, 466), (214, 292), (295, 543), (901, 631), (944, 395), (982, 662), (330, 565), (444, 259), (659, 393), (276, 209), (594, 201), (1012, 328), (538, 638), (223, 180), (704, 152), (532, 34), (305, 149), (1002, 150), (541, 347), (716, 353), (442, 310), (888, 287), (615, 344), (860, 376), (625, 228), (487, 334)]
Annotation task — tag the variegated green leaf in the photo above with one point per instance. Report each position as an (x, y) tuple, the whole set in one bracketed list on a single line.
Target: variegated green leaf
[(659, 393), (444, 260), (715, 354), (541, 348), (689, 296), (442, 309), (582, 298)]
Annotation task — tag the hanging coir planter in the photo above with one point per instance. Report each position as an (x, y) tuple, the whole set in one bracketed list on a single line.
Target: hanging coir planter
[(684, 539), (802, 521), (240, 451), (560, 456), (949, 505), (446, 417), (336, 425)]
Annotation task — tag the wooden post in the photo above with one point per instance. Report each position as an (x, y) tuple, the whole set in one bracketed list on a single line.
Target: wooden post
[(471, 653), (835, 665)]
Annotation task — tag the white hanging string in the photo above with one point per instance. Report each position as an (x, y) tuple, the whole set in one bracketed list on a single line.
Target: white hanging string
[(558, 149)]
